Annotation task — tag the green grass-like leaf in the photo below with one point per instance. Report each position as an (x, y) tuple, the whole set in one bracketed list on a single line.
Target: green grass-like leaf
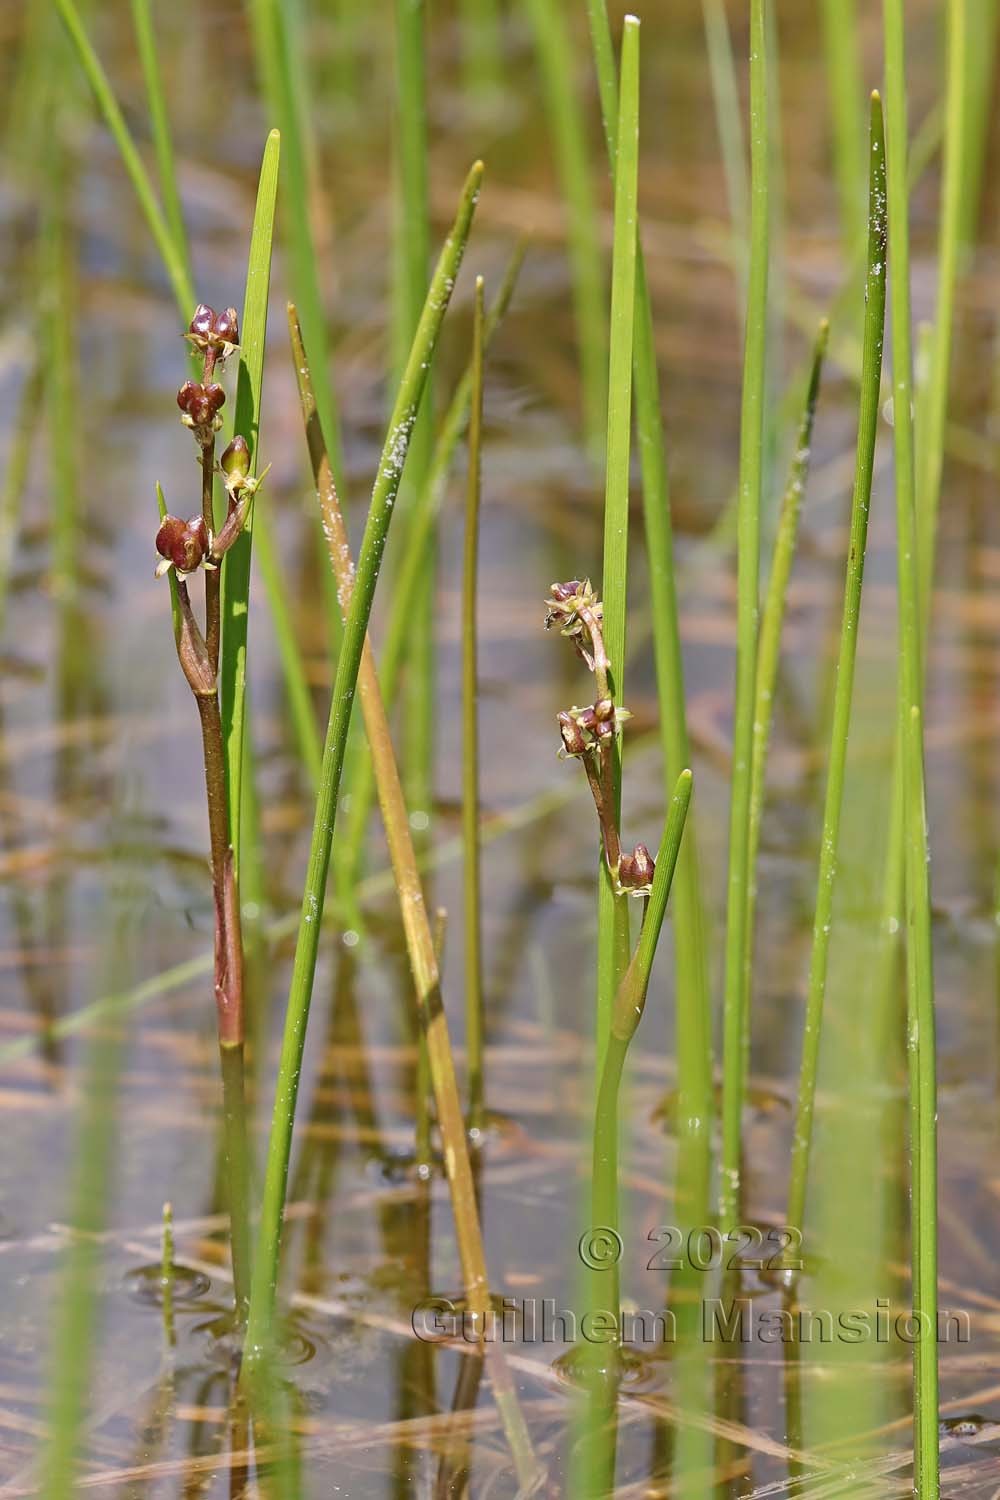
[(553, 46), (174, 261), (236, 573), (612, 909), (384, 492), (694, 1059), (748, 584), (868, 416), (921, 1045)]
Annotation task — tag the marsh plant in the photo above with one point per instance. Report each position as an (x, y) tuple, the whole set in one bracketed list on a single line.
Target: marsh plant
[(206, 543), (195, 548)]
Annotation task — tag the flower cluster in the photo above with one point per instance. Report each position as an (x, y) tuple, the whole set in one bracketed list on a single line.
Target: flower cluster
[(214, 334), (589, 734), (201, 405), (188, 545), (183, 545)]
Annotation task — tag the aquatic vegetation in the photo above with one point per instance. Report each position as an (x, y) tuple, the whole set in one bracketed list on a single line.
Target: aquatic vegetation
[(186, 548), (359, 1306)]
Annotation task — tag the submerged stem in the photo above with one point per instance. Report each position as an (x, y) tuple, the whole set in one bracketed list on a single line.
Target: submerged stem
[(867, 427)]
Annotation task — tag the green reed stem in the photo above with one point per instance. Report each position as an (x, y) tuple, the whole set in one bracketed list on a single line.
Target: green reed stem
[(554, 49), (920, 983), (482, 48), (359, 773), (930, 438), (264, 1291), (270, 20), (982, 22), (841, 44), (748, 582), (629, 1002), (435, 1060), (411, 258), (172, 257), (694, 1046), (729, 123), (953, 214), (772, 622), (612, 908), (472, 887), (145, 35), (868, 417), (236, 571)]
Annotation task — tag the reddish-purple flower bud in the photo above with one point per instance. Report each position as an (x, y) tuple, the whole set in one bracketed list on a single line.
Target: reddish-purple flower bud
[(226, 326), (203, 322), (636, 870), (587, 719), (564, 591), (215, 397), (182, 543), (200, 402), (186, 393)]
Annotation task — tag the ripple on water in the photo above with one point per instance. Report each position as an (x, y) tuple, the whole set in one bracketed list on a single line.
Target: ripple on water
[(145, 1284)]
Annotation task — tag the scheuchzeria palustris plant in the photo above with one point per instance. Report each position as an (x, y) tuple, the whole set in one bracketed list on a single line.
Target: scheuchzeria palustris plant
[(187, 547)]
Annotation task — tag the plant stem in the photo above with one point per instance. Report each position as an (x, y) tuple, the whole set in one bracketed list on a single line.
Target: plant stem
[(145, 35), (953, 212), (472, 892), (748, 582), (868, 416), (359, 773), (769, 641), (919, 970), (729, 124), (228, 966), (843, 65), (236, 572), (270, 22), (629, 1003), (411, 257), (173, 260), (612, 908), (237, 1147), (420, 941), (262, 1303), (553, 46), (694, 1047)]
